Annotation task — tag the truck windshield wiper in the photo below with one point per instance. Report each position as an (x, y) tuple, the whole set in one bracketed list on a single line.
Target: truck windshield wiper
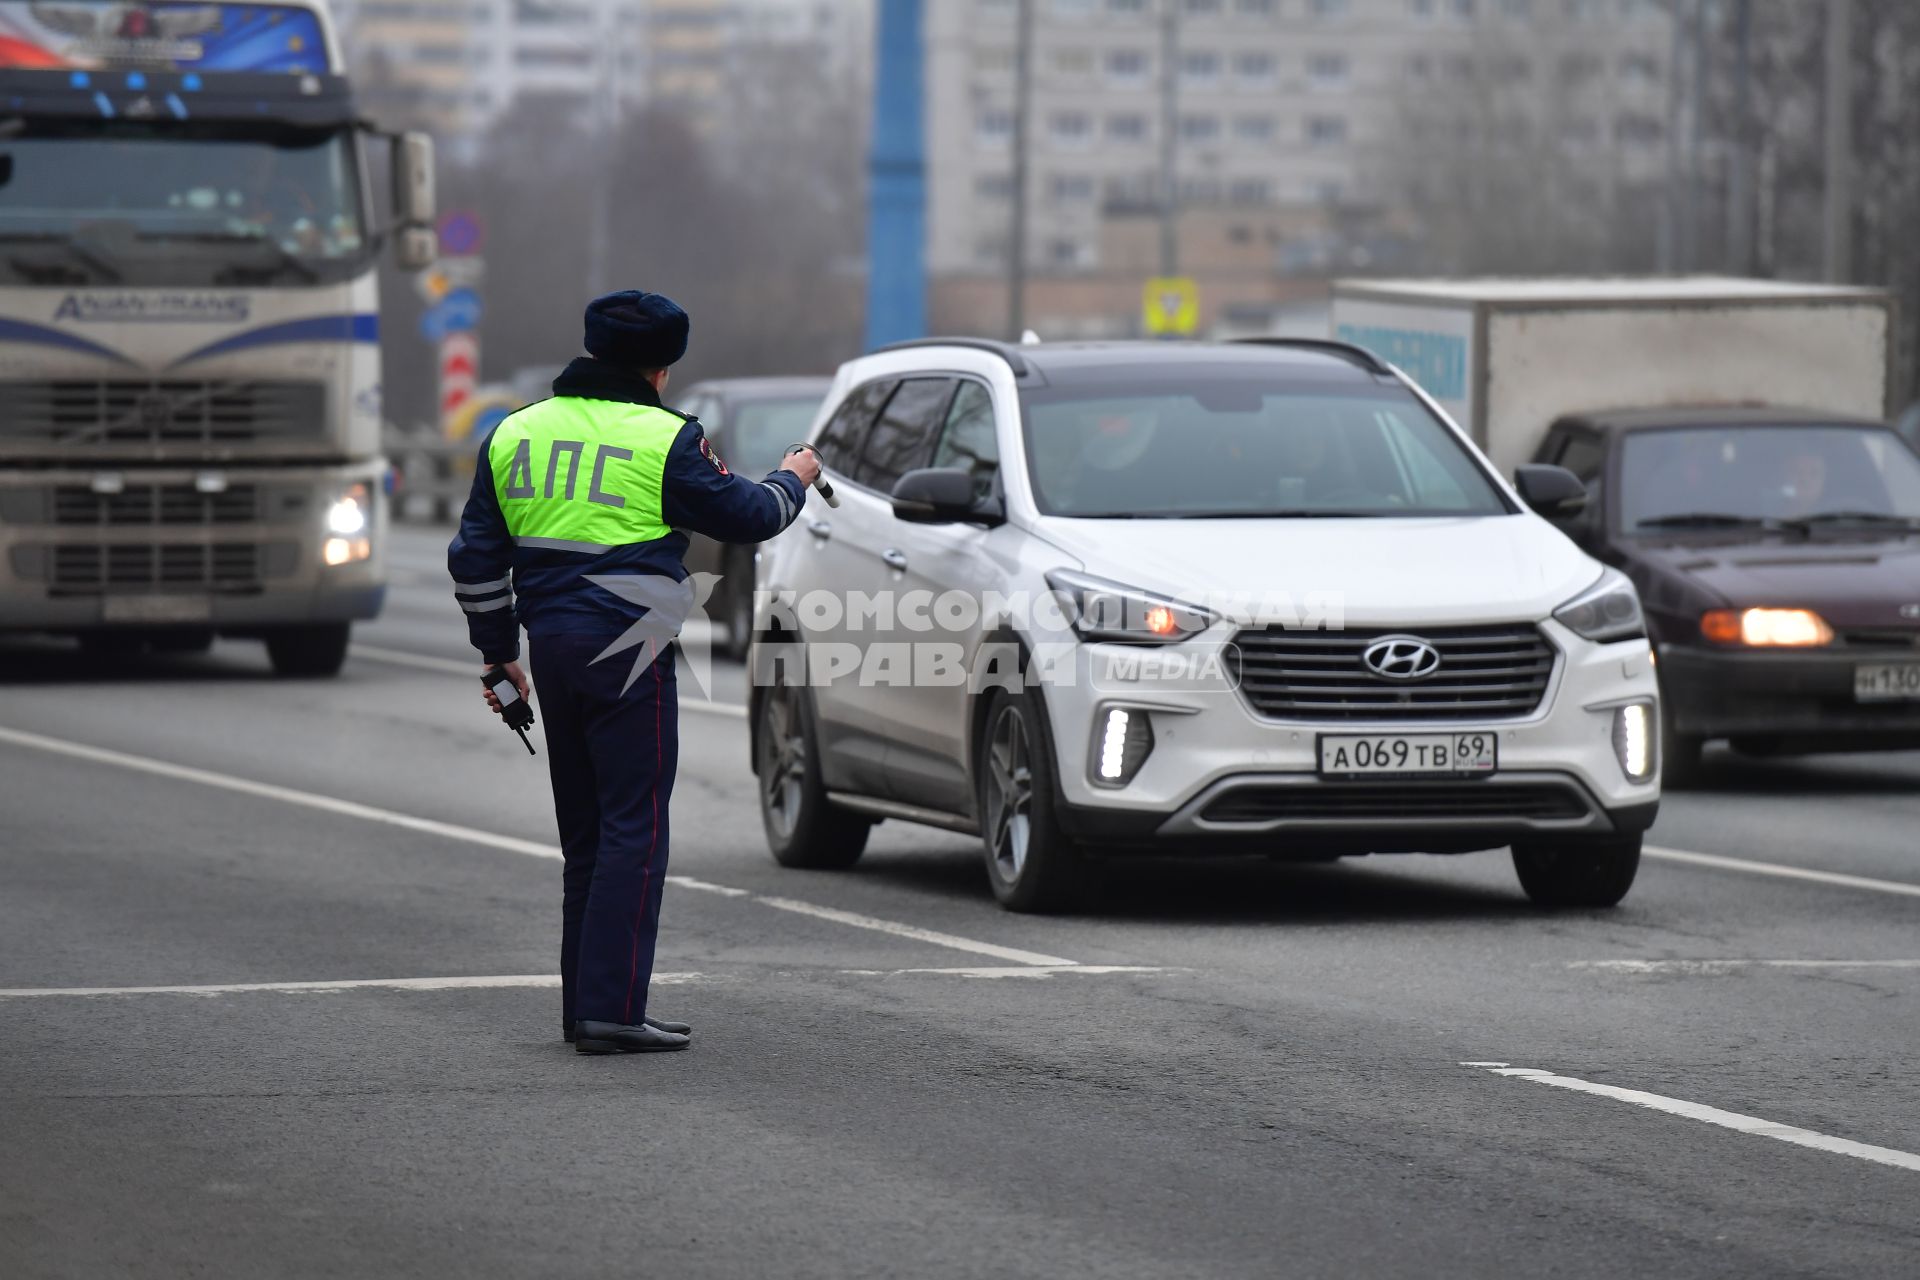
[(1707, 520), (91, 258), (1854, 517)]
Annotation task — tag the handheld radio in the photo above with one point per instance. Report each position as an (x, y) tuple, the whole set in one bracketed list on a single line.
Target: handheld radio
[(820, 484), (514, 709)]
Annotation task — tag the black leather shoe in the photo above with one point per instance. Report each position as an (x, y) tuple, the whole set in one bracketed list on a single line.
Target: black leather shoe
[(658, 1024), (615, 1037)]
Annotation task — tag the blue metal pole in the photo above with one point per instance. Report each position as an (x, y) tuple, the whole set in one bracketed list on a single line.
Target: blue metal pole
[(897, 180)]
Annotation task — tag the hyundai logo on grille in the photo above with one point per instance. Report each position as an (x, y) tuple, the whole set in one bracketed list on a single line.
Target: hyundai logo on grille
[(1401, 658)]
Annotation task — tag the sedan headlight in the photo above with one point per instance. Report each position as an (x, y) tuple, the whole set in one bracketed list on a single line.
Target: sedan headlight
[(1609, 610), (1103, 610), (1766, 628)]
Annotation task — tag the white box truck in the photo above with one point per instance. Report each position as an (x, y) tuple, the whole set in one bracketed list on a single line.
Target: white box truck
[(1506, 358)]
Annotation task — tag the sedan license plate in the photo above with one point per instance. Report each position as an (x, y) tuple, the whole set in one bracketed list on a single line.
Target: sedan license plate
[(156, 608), (1887, 682), (1395, 753)]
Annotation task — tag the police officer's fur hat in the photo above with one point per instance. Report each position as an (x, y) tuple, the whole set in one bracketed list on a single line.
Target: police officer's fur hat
[(637, 329)]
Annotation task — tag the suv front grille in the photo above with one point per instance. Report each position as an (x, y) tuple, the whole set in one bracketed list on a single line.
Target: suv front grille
[(87, 414), (87, 569), (1398, 800), (1484, 672), (148, 504)]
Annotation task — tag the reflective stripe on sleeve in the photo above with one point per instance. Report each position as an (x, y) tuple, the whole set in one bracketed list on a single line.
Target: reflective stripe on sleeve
[(786, 503), (486, 606), (564, 544), (481, 588)]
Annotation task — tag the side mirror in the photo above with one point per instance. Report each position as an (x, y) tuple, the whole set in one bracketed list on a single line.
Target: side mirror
[(415, 248), (413, 204), (1554, 492), (936, 495)]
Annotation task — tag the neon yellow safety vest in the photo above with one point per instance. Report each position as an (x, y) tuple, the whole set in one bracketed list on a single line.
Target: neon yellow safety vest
[(574, 474)]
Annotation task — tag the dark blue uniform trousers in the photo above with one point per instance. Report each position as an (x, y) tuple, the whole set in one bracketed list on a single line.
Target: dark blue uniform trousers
[(612, 758)]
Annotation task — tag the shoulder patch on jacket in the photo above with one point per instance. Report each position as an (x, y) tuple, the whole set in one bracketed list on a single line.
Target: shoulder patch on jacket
[(706, 451)]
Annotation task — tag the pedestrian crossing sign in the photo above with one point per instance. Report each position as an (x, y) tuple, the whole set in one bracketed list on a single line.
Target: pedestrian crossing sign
[(1170, 305)]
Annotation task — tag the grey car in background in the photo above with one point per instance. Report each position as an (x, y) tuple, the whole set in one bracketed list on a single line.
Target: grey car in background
[(750, 422)]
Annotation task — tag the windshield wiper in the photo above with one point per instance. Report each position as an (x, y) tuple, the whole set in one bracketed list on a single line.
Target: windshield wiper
[(282, 258), (1854, 517), (91, 258), (1707, 520)]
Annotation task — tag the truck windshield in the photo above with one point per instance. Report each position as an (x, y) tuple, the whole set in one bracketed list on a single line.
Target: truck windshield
[(1238, 445), (145, 204), (1705, 477)]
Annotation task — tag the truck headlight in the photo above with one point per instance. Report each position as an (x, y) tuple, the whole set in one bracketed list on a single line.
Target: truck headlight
[(1122, 739), (1103, 610), (348, 521), (1636, 740), (1766, 628), (1609, 610)]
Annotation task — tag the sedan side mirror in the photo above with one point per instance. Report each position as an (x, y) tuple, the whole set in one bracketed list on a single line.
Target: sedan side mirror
[(1554, 492), (937, 495)]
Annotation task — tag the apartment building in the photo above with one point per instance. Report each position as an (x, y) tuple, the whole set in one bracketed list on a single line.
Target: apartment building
[(1286, 117)]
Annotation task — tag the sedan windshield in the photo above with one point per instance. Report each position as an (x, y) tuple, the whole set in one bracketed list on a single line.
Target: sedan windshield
[(147, 204), (762, 430), (1220, 444), (1708, 477)]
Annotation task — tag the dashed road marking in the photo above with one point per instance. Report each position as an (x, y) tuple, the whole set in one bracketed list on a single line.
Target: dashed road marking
[(1011, 971), (856, 921), (1710, 1115), (1729, 966), (1720, 862)]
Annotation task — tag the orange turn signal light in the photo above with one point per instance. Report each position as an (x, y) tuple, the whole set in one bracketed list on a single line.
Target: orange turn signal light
[(1766, 628), (1161, 622)]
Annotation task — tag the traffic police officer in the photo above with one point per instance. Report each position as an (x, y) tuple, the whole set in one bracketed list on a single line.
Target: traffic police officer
[(575, 529)]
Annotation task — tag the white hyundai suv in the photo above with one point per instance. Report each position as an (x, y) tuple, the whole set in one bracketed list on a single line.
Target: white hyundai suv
[(1086, 599)]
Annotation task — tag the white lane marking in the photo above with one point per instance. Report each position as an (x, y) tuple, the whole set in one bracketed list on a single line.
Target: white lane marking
[(1728, 966), (856, 921), (1722, 863), (426, 662), (1012, 971), (286, 795), (511, 844), (703, 886), (1712, 1115)]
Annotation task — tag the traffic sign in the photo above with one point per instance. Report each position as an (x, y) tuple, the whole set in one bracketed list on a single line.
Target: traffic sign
[(456, 312), (1170, 305), (460, 234)]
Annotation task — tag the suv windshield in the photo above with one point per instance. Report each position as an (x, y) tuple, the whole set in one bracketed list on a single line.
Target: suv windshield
[(1702, 476), (1215, 442), (147, 204)]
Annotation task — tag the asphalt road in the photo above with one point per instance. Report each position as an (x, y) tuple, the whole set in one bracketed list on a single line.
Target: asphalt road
[(1220, 1068)]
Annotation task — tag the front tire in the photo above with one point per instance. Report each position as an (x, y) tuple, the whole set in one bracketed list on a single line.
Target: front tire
[(1032, 864), (804, 829), (309, 651), (1574, 873)]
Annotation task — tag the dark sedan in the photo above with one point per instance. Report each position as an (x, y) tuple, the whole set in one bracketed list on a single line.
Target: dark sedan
[(750, 421), (1777, 554)]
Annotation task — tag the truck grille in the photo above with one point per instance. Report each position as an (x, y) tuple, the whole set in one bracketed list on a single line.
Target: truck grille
[(84, 414), (149, 504), (1319, 676), (1398, 800), (93, 569)]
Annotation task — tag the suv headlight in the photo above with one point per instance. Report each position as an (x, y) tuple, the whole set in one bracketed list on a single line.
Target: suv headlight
[(1609, 610), (1103, 610)]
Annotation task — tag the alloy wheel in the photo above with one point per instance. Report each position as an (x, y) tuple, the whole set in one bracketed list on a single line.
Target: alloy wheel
[(1009, 794)]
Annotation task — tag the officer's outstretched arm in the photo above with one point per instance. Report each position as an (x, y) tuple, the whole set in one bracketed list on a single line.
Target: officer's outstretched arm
[(699, 493), (480, 558)]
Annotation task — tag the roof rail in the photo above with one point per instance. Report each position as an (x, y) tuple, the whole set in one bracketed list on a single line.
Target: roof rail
[(1005, 350), (1348, 351)]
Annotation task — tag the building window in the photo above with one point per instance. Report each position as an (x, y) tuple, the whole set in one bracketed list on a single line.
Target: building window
[(1203, 8), (1072, 62), (1462, 9), (1641, 131), (1071, 8), (1071, 188), (1199, 128), (994, 186), (1420, 67), (1256, 8), (1516, 8), (1069, 253), (1639, 68), (1253, 128), (993, 127), (1253, 68), (1327, 70), (1069, 128), (996, 61), (1581, 132), (1127, 8), (1199, 66), (1423, 9), (1326, 131), (1127, 127), (1329, 8), (1577, 68), (1127, 66), (1246, 191)]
